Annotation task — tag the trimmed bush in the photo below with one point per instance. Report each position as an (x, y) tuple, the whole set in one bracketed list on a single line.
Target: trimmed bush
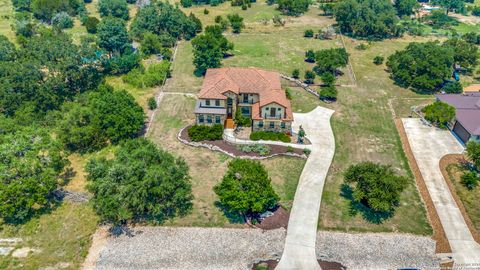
[(269, 136), (470, 180), (308, 33), (453, 88), (205, 133), (328, 93), (152, 103), (378, 60)]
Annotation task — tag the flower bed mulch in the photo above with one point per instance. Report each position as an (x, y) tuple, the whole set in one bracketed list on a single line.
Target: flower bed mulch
[(325, 265), (278, 220), (233, 150)]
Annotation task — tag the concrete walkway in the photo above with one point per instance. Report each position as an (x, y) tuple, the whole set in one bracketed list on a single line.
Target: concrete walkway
[(299, 251), (429, 145)]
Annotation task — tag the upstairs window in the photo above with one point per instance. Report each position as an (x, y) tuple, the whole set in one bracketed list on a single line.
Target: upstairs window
[(207, 102), (217, 102), (260, 124)]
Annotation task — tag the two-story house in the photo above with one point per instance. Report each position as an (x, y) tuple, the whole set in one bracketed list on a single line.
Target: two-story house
[(256, 93)]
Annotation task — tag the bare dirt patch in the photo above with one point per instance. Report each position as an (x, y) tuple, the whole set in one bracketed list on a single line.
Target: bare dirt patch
[(456, 159), (439, 236)]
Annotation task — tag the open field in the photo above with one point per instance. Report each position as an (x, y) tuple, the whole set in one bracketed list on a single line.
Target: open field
[(60, 239), (468, 197), (364, 130), (6, 19), (207, 167)]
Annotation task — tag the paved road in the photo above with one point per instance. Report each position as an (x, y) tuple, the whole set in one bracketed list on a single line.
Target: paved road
[(299, 252), (429, 145)]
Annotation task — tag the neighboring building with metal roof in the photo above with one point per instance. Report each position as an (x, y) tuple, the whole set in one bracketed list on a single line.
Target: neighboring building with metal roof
[(467, 118), (255, 92)]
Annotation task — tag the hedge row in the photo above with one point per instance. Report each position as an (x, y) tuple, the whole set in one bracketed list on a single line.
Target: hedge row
[(205, 133)]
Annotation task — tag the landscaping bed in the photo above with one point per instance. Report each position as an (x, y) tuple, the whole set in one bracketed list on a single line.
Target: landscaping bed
[(278, 220), (271, 264), (234, 151)]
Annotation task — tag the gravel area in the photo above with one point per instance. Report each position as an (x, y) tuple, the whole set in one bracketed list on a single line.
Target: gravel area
[(217, 248)]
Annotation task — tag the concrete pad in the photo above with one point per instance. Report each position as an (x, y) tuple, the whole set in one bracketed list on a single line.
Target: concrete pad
[(299, 252), (429, 145)]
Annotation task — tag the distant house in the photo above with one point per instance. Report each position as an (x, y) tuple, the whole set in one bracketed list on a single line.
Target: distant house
[(467, 119), (256, 93)]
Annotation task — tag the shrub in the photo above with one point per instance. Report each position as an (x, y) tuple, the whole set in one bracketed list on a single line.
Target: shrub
[(470, 180), (244, 7), (378, 60), (289, 149), (153, 76), (453, 88), (439, 113), (152, 103), (308, 33), (476, 11), (328, 78), (91, 25), (261, 149), (62, 20), (236, 22), (309, 77), (269, 136), (310, 56), (241, 120), (307, 151), (473, 153), (288, 93), (328, 93), (186, 3), (205, 11), (205, 133), (296, 73), (115, 8), (361, 47)]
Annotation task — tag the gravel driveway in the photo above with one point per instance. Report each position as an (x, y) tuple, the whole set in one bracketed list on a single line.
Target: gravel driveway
[(219, 249)]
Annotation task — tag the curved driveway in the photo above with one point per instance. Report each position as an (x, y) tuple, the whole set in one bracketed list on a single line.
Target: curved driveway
[(429, 145), (299, 251)]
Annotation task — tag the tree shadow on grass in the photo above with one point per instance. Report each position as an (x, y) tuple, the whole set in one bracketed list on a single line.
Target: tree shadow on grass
[(357, 207), (233, 217)]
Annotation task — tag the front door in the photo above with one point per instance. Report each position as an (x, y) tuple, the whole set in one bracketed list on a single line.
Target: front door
[(273, 112)]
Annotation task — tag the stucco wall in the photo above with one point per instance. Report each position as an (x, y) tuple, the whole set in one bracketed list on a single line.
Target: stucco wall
[(265, 110)]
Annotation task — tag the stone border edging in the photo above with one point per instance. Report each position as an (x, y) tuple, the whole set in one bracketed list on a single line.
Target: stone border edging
[(301, 84), (216, 148), (444, 163), (443, 246)]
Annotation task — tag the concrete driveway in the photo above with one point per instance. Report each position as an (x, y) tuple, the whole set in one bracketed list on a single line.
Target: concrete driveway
[(429, 145), (299, 251)]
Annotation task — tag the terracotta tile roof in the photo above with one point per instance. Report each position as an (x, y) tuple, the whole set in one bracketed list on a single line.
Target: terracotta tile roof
[(243, 80)]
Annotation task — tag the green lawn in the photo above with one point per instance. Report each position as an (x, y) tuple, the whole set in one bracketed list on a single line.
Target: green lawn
[(468, 197)]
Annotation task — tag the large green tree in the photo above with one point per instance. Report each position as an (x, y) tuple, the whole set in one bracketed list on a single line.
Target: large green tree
[(422, 66), (464, 53), (160, 17), (373, 19), (32, 162), (7, 49), (406, 7), (376, 186), (45, 9), (209, 49), (115, 8), (246, 188), (100, 117), (113, 36), (451, 5), (439, 113), (48, 70), (141, 182), (330, 60), (293, 7)]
